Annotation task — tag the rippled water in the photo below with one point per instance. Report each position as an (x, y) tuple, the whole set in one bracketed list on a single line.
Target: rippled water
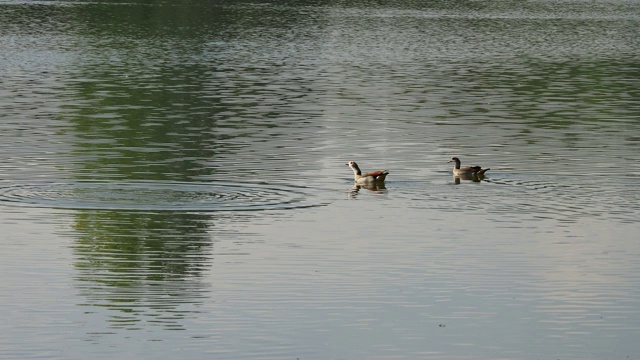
[(173, 180), (158, 196)]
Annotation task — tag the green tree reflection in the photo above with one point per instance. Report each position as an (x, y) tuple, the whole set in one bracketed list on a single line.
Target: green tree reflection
[(147, 266)]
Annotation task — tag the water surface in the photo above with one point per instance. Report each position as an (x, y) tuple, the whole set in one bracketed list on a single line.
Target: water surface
[(173, 180)]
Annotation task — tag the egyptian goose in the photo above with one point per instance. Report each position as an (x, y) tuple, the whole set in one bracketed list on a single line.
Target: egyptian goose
[(467, 170), (367, 178)]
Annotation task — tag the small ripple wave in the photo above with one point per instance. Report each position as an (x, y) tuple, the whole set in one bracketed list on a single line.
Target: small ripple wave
[(506, 197), (158, 196), (570, 198)]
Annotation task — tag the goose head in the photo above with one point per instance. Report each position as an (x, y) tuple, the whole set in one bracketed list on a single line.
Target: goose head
[(354, 167), (456, 160)]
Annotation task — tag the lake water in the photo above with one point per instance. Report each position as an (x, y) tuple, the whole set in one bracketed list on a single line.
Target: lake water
[(173, 180)]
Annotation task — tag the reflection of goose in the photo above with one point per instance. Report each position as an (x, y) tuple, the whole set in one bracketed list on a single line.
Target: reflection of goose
[(367, 178), (468, 171), (472, 177), (373, 187)]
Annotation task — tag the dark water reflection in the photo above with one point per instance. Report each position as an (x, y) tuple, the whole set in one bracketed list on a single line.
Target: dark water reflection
[(139, 139), (145, 267)]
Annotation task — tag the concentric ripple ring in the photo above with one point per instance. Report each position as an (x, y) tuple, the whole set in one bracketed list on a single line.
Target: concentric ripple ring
[(158, 196)]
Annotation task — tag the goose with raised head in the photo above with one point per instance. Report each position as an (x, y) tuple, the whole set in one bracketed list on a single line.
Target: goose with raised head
[(467, 170), (367, 178)]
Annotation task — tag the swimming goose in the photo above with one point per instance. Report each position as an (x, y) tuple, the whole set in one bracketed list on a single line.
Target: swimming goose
[(467, 170), (367, 178)]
